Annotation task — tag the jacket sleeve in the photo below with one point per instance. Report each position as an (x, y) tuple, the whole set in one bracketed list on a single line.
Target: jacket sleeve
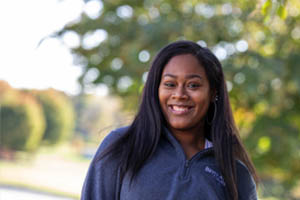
[(102, 179), (245, 183)]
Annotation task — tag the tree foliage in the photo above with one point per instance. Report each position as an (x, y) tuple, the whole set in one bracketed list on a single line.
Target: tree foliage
[(258, 43), (21, 118), (59, 115)]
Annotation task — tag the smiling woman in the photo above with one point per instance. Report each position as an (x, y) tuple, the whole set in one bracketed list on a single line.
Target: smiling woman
[(182, 144), (185, 95)]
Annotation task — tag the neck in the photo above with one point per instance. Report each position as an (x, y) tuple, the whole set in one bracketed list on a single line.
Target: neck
[(192, 141)]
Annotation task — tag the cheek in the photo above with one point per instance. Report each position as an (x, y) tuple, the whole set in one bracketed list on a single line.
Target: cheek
[(162, 95), (162, 100), (206, 107), (203, 102)]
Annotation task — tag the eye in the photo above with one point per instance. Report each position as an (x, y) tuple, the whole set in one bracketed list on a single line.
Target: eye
[(193, 85), (169, 84)]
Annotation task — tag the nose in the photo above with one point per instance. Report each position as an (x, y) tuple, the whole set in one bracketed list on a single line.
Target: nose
[(180, 93)]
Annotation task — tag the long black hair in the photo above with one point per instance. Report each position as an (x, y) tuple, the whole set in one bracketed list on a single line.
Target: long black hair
[(141, 138)]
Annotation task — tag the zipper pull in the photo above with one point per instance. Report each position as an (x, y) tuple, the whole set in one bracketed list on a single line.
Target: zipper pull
[(185, 169), (186, 163)]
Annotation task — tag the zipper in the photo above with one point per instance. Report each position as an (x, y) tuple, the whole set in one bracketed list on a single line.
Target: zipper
[(185, 169), (187, 163)]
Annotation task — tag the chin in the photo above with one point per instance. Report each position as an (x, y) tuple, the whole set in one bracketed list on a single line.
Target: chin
[(180, 127), (185, 126)]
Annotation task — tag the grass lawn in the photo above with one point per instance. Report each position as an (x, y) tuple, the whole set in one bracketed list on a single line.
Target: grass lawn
[(60, 171)]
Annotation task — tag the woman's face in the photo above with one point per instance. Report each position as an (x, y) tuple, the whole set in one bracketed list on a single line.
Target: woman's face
[(184, 93)]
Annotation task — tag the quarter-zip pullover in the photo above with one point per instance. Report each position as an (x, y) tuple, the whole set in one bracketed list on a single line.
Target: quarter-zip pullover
[(167, 175)]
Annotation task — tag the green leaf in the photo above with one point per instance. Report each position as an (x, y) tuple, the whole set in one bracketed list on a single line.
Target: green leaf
[(281, 12), (266, 7)]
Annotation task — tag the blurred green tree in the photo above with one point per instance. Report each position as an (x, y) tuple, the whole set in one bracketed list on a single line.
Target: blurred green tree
[(258, 43), (59, 114), (22, 120)]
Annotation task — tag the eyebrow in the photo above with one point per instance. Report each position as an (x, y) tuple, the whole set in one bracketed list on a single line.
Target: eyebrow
[(190, 76)]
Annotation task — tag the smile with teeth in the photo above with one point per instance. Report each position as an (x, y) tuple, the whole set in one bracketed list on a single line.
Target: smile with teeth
[(180, 109)]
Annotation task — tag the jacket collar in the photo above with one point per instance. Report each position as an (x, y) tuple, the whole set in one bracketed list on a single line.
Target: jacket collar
[(178, 148)]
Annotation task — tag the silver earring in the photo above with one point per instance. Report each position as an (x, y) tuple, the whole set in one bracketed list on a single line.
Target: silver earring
[(216, 98)]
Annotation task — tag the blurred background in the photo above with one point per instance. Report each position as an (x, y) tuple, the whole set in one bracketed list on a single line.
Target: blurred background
[(72, 70)]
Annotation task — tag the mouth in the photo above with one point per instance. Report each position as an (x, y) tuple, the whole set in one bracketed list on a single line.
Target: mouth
[(180, 109)]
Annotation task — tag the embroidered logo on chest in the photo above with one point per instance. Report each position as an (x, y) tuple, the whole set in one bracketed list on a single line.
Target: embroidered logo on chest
[(217, 176)]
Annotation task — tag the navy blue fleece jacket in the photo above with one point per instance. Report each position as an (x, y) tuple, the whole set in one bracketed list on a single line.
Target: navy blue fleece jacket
[(165, 176)]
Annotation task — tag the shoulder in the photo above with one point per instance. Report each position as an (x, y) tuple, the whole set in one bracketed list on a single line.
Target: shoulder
[(102, 178), (242, 171), (101, 157), (112, 137), (245, 182)]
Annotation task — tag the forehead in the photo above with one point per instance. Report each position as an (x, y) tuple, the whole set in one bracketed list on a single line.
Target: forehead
[(183, 65)]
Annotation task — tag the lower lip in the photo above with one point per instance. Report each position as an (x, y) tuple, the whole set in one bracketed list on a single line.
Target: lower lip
[(179, 112)]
